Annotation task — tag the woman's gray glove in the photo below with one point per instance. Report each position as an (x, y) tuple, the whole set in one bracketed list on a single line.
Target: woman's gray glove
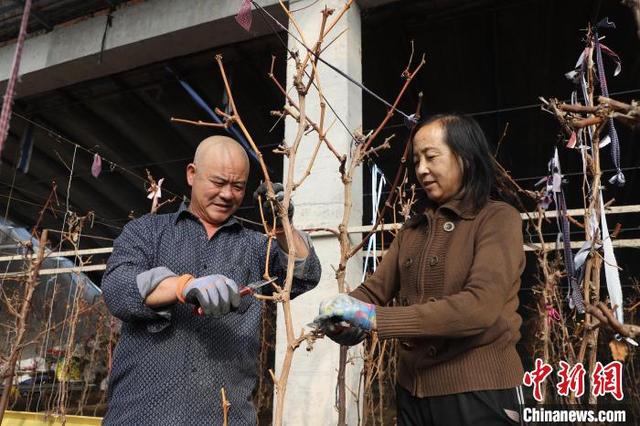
[(217, 295), (278, 190)]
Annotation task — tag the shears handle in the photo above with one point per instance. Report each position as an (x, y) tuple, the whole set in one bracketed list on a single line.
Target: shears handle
[(197, 309), (245, 291)]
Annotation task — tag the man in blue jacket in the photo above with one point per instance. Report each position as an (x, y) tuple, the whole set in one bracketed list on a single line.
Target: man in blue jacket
[(170, 363)]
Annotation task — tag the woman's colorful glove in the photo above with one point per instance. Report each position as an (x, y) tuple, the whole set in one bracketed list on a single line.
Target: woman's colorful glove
[(346, 308)]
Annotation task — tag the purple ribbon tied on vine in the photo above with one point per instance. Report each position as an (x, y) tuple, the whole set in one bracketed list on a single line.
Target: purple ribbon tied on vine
[(554, 193), (618, 179)]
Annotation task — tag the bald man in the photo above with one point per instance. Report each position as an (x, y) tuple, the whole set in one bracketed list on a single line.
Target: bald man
[(170, 363)]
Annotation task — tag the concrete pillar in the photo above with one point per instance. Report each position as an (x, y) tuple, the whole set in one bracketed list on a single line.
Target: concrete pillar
[(311, 390)]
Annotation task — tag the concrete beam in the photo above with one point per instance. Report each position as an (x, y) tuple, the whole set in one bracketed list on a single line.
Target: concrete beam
[(372, 4), (142, 33)]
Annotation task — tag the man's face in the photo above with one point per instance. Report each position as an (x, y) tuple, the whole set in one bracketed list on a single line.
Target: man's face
[(217, 185)]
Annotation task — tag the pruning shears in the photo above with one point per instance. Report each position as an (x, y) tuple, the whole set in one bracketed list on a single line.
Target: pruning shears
[(251, 288), (245, 290)]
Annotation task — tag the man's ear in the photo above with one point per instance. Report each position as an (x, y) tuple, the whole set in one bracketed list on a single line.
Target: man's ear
[(191, 173)]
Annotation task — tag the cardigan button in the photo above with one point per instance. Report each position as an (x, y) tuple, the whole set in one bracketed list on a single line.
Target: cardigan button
[(449, 226), (408, 263), (432, 351), (407, 345), (432, 299), (433, 260)]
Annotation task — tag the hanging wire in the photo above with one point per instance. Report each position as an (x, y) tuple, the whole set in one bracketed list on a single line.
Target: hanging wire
[(514, 108), (31, 203), (55, 283), (13, 182), (303, 7), (62, 138), (334, 68), (45, 344), (292, 54), (58, 260), (420, 189)]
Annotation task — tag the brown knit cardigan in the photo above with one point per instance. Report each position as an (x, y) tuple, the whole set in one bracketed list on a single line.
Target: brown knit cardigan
[(456, 276)]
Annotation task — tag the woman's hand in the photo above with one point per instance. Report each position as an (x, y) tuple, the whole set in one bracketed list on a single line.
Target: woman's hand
[(346, 308), (343, 333)]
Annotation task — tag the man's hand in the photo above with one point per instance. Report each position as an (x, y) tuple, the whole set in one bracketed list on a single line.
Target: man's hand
[(346, 308), (343, 333), (217, 295), (267, 210)]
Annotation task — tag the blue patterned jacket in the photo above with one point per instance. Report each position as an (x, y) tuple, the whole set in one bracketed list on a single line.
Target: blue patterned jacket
[(169, 365)]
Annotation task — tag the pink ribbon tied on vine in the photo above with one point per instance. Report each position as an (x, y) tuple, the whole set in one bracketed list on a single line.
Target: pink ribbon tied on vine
[(96, 166), (155, 190), (552, 314), (244, 18)]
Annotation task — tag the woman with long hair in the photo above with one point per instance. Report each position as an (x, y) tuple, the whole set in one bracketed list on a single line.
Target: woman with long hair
[(454, 270)]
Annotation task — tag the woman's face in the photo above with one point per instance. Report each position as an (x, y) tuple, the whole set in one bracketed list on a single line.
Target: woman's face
[(438, 169)]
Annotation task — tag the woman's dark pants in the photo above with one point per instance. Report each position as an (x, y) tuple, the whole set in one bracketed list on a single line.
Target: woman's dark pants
[(478, 408)]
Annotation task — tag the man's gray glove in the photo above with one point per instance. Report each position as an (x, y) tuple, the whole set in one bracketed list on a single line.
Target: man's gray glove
[(217, 295), (343, 333), (278, 190)]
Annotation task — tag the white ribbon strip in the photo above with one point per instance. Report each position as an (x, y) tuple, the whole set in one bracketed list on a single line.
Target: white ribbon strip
[(611, 267), (376, 193)]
